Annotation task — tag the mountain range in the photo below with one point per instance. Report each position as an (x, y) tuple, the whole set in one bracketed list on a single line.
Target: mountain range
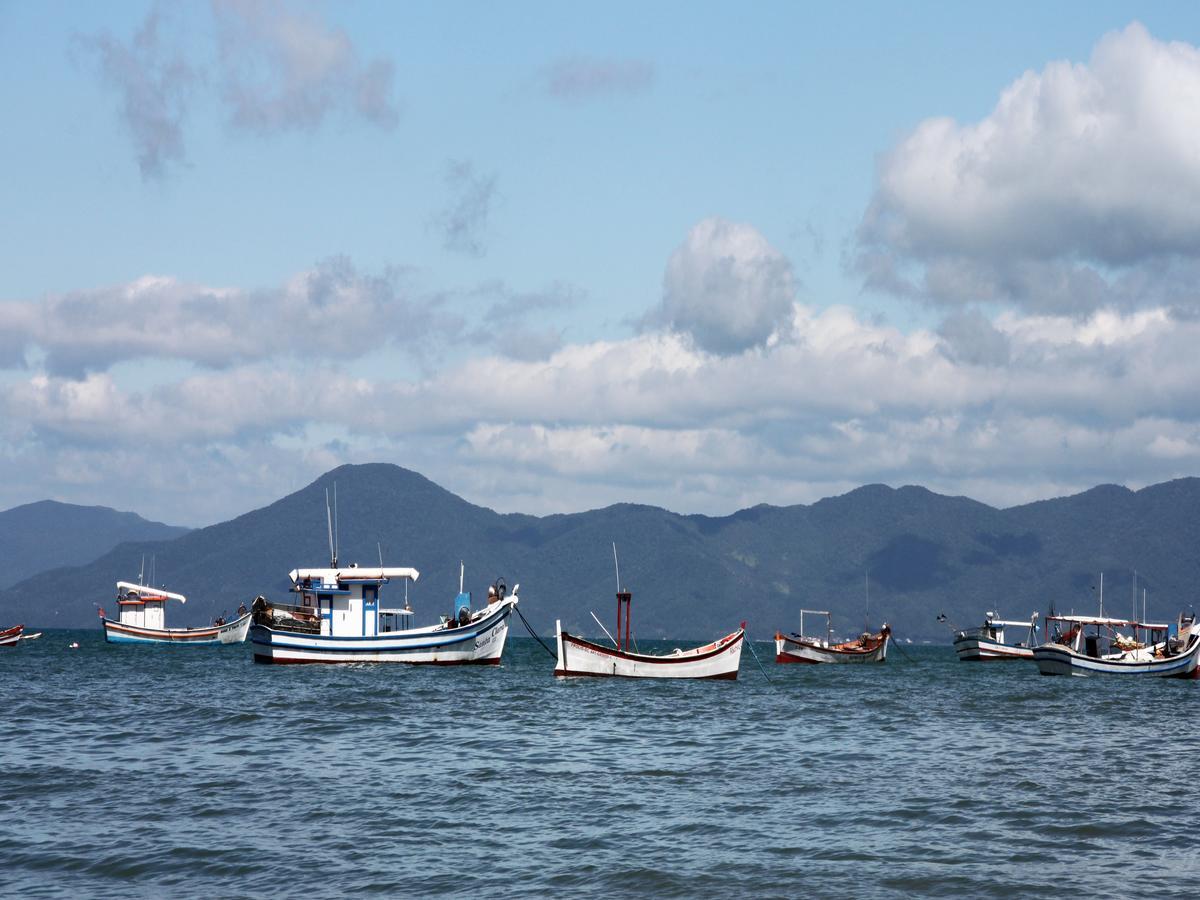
[(917, 553), (48, 534)]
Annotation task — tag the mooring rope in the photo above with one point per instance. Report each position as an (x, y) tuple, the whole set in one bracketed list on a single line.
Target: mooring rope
[(754, 653), (534, 636)]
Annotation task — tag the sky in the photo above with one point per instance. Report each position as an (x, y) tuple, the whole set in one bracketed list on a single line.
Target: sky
[(556, 256)]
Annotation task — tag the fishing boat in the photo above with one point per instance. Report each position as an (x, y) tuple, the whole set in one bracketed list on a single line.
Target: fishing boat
[(341, 619), (11, 637), (799, 647), (1095, 645), (987, 642), (576, 656), (142, 620)]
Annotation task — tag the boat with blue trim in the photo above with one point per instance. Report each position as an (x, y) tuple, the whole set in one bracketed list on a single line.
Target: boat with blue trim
[(142, 620), (1094, 645), (341, 618)]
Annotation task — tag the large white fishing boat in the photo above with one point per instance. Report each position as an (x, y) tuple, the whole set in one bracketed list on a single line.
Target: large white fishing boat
[(799, 647), (987, 642), (142, 620), (1095, 645), (341, 619)]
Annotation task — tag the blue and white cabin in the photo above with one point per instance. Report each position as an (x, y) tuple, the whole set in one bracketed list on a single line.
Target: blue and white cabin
[(347, 601)]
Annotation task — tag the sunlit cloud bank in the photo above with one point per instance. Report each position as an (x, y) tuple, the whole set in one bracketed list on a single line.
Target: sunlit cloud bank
[(830, 401)]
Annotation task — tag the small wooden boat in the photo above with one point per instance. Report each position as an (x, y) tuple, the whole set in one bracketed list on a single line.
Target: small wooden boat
[(802, 648), (11, 636), (987, 642), (143, 620), (1094, 645), (576, 656)]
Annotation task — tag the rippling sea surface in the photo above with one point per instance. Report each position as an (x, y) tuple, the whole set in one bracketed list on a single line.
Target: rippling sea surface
[(143, 771)]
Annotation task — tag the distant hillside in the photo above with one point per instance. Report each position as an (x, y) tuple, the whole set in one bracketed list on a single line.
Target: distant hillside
[(46, 535), (691, 576)]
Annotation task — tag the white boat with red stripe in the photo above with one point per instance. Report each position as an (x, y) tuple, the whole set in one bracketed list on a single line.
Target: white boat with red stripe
[(801, 648), (142, 620), (719, 660), (12, 636)]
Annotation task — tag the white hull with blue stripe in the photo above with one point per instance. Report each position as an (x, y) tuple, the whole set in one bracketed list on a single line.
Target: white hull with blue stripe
[(1108, 652)]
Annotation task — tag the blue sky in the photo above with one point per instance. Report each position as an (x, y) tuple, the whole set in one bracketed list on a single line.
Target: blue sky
[(559, 232)]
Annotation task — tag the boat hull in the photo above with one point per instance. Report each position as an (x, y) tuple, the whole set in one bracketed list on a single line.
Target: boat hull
[(716, 661), (1056, 659), (790, 651), (11, 636), (976, 649), (478, 643), (230, 633)]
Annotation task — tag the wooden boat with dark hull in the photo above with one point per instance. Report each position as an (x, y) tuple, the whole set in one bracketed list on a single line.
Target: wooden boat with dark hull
[(11, 636)]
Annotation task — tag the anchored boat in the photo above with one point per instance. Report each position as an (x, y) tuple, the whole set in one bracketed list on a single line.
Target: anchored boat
[(1094, 645), (12, 636), (987, 642), (798, 647), (142, 612), (576, 656), (341, 618)]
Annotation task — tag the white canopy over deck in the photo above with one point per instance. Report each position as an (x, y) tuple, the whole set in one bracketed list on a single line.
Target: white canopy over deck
[(146, 592), (352, 573), (1101, 620)]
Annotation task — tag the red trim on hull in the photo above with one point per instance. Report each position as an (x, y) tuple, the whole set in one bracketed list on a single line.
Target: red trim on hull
[(788, 658), (656, 660), (569, 673)]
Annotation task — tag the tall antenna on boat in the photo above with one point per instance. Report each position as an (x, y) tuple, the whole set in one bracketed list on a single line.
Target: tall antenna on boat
[(1134, 598), (617, 566), (335, 528), (867, 612), (142, 571), (379, 547), (461, 572), (329, 526), (1102, 595)]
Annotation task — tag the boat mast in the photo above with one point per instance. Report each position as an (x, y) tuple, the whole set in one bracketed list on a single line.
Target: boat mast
[(1102, 595), (1134, 596), (623, 598), (329, 526)]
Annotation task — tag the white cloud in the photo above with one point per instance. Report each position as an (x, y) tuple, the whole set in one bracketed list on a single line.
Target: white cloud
[(839, 401), (285, 69), (1080, 190), (327, 311), (464, 221), (586, 78), (726, 287), (155, 82)]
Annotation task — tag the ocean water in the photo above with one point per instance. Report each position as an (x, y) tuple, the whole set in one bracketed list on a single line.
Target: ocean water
[(187, 771)]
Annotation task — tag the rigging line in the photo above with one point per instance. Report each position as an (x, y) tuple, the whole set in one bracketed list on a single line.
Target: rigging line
[(896, 644), (754, 653), (533, 635)]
